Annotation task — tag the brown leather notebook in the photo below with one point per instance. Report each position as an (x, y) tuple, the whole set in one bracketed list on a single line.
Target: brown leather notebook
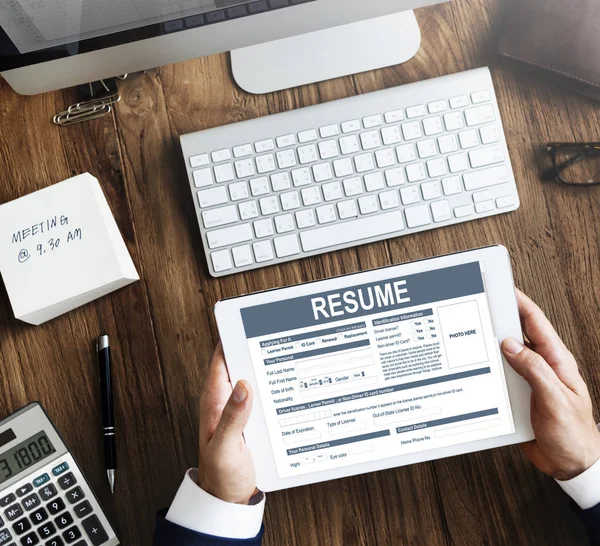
[(558, 38)]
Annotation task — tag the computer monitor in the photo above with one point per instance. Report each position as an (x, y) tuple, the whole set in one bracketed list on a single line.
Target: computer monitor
[(53, 44)]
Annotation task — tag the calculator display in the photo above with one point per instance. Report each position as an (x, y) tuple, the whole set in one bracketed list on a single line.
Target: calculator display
[(26, 454)]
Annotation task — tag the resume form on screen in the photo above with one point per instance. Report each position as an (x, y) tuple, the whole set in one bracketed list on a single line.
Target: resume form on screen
[(379, 370)]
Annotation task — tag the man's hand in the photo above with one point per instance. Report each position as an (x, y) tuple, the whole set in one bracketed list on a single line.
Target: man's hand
[(226, 469), (567, 441)]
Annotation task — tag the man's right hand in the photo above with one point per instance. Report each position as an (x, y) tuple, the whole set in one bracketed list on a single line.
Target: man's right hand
[(567, 441)]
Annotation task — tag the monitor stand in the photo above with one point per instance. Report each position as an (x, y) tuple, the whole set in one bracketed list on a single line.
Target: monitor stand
[(327, 54)]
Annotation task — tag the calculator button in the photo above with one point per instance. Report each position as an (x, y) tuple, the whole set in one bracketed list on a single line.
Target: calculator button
[(83, 509), (68, 480), (13, 512), (41, 480), (48, 492), (75, 495), (30, 540), (46, 530), (38, 516), (63, 520), (56, 541), (5, 536), (24, 490), (94, 530), (31, 502), (72, 534), (5, 501), (21, 526), (58, 470), (55, 506)]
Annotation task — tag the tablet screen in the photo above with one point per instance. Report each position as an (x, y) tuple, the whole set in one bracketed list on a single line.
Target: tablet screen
[(379, 370)]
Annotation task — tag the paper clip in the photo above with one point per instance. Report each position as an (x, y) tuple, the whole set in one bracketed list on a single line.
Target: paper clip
[(94, 108)]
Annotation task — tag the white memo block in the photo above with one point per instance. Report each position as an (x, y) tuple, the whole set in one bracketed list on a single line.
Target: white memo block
[(60, 248)]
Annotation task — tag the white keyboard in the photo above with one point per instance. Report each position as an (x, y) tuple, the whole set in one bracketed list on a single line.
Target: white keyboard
[(349, 172)]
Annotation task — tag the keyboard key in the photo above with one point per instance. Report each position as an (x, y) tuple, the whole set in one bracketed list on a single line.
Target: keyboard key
[(308, 136), (75, 495), (427, 148), (224, 173), (238, 191), (329, 131), (448, 144), (203, 178), (353, 186), (265, 163), (286, 159), (242, 257), (221, 155), (63, 520), (322, 172), (412, 130), (195, 162), (484, 207), (451, 185), (453, 121), (459, 102), (326, 214), (264, 146), (486, 157), (6, 500), (481, 96), (368, 204), (229, 236), (244, 168), (415, 111), (385, 158), (31, 502), (343, 167), (351, 126), (284, 223), (482, 196), (328, 149), (332, 191), (505, 202), (263, 228), (441, 211), (468, 139), (38, 516), (372, 121), (458, 163), (219, 217), (13, 512), (437, 167), (486, 178), (286, 246), (207, 198), (391, 135), (394, 116), (286, 140), (57, 541), (433, 126), (301, 177), (349, 145), (410, 195), (94, 530), (311, 196), (389, 200), (242, 151), (21, 526), (364, 163), (347, 209), (466, 210), (406, 153), (221, 260), (480, 115), (22, 491), (5, 536), (46, 530), (374, 182), (72, 534), (417, 216), (489, 134), (416, 172), (55, 506), (41, 480), (437, 106), (248, 210), (352, 231), (305, 218), (269, 205), (308, 154), (290, 200), (259, 186), (394, 177), (30, 539), (431, 190), (370, 140), (280, 181), (263, 251)]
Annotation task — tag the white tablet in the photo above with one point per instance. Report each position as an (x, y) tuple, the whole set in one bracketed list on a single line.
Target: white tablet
[(378, 369)]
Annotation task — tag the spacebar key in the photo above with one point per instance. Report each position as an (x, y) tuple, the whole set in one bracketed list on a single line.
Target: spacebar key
[(350, 232)]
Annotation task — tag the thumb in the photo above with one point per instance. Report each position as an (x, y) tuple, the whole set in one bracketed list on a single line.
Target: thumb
[(530, 366), (235, 414)]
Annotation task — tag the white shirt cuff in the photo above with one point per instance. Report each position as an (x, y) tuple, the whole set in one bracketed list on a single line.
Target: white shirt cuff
[(197, 510), (585, 488)]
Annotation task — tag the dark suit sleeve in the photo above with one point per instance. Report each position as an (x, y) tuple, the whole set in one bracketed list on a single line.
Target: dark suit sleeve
[(169, 534), (591, 520)]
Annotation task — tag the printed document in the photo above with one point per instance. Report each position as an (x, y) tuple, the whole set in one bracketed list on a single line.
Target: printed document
[(379, 370)]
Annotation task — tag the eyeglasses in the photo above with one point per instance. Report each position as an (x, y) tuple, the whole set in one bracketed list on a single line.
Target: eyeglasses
[(574, 164)]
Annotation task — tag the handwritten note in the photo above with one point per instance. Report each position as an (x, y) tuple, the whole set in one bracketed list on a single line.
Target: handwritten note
[(60, 248)]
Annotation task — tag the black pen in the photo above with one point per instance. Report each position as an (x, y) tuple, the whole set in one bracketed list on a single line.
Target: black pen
[(108, 414)]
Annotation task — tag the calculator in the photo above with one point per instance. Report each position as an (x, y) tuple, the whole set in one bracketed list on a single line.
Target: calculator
[(44, 496)]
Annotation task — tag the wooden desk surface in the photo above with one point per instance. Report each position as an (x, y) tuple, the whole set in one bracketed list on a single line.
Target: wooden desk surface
[(163, 330)]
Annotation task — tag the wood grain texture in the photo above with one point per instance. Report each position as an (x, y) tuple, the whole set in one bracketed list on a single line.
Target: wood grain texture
[(163, 329)]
